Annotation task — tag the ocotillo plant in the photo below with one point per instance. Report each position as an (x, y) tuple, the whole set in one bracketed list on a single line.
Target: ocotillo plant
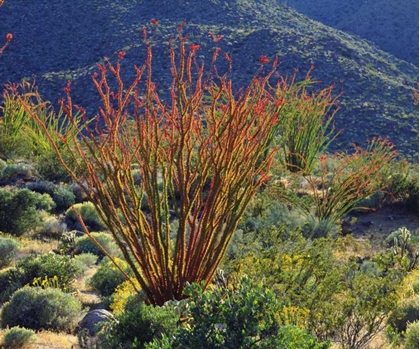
[(306, 128), (340, 189), (201, 157)]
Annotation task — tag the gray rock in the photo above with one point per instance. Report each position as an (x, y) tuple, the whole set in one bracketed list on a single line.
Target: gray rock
[(93, 317)]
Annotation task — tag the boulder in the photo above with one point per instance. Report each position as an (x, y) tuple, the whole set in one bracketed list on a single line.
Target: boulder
[(93, 317)]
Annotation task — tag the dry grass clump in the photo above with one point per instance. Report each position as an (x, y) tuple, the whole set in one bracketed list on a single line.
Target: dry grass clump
[(49, 340)]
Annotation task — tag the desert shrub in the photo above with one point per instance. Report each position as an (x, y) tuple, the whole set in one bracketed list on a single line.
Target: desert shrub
[(242, 317), (37, 308), (18, 337), (108, 277), (264, 213), (53, 227), (87, 258), (363, 306), (50, 168), (19, 210), (322, 290), (8, 250), (79, 192), (137, 327), (87, 211), (403, 185), (305, 274), (50, 265), (27, 270), (17, 170), (122, 295), (10, 280), (404, 313), (3, 164), (41, 187), (412, 336), (63, 196), (85, 244)]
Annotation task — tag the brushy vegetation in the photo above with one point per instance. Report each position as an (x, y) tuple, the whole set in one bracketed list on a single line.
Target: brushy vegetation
[(211, 180), (18, 337), (38, 308)]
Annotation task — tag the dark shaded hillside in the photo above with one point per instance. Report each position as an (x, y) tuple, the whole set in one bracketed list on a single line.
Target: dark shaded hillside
[(392, 25), (57, 41)]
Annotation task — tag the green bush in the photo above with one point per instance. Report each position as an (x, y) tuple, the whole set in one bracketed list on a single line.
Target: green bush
[(10, 280), (41, 187), (407, 312), (137, 327), (50, 168), (88, 259), (19, 210), (412, 336), (8, 250), (403, 185), (245, 317), (108, 277), (84, 244), (37, 308), (3, 164), (17, 170), (53, 227), (49, 265), (18, 337), (63, 196), (87, 211)]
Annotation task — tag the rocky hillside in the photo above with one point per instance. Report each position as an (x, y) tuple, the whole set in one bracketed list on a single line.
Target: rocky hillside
[(391, 25), (61, 40)]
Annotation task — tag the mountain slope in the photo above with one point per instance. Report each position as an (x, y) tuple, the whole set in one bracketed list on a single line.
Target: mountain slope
[(391, 25), (61, 40)]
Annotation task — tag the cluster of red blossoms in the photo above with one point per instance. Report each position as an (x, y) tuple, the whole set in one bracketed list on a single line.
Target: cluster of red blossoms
[(264, 60)]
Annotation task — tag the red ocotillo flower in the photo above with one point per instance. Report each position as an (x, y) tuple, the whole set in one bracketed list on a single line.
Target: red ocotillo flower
[(194, 47), (121, 55), (214, 37), (264, 60), (9, 37), (154, 21)]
